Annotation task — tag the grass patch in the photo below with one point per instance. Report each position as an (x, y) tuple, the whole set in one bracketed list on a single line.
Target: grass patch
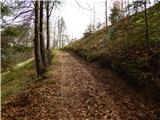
[(15, 80), (54, 58), (49, 82), (49, 71)]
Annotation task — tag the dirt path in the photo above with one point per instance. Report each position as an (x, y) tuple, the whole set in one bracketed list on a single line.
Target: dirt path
[(81, 91)]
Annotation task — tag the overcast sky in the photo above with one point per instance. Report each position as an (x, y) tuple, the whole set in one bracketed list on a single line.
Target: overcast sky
[(77, 18)]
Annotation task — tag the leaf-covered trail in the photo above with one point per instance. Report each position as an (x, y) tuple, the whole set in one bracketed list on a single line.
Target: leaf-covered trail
[(81, 91), (81, 95)]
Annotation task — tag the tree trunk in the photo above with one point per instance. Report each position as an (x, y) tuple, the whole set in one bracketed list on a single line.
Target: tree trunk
[(146, 23), (48, 35), (106, 12), (42, 45), (37, 42)]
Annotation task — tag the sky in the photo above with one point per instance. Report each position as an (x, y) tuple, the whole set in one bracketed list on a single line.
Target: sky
[(77, 18)]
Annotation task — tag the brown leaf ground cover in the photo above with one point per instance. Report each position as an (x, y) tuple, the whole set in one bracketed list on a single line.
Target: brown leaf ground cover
[(77, 90)]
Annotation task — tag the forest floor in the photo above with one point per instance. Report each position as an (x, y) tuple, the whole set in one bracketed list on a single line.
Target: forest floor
[(77, 90)]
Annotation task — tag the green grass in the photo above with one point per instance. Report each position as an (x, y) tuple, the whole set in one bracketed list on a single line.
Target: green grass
[(15, 80), (55, 58), (10, 75), (54, 62)]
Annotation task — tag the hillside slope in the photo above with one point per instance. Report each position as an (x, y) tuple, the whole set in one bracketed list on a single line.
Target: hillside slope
[(123, 48)]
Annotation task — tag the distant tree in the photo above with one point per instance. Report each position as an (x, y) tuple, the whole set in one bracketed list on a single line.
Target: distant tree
[(30, 13), (49, 9), (61, 30), (17, 34), (115, 14), (14, 36), (106, 13), (88, 31), (19, 11), (99, 26), (5, 10)]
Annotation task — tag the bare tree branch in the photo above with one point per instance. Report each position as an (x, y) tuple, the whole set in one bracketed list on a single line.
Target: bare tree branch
[(82, 6), (13, 19)]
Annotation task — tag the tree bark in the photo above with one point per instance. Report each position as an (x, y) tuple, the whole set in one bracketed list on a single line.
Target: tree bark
[(48, 35), (146, 23), (47, 13), (106, 12), (37, 41), (42, 45)]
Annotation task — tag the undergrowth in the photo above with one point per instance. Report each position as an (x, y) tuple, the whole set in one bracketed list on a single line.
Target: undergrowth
[(126, 52), (23, 74), (14, 81)]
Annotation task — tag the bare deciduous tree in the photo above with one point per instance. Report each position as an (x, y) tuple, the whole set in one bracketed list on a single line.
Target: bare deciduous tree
[(42, 45), (37, 41)]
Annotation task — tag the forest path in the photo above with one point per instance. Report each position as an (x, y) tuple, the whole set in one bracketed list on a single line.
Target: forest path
[(77, 90)]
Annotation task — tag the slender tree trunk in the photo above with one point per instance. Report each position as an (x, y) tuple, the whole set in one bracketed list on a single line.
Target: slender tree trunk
[(42, 45), (48, 38), (106, 12), (146, 22), (54, 39), (37, 42), (48, 35)]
